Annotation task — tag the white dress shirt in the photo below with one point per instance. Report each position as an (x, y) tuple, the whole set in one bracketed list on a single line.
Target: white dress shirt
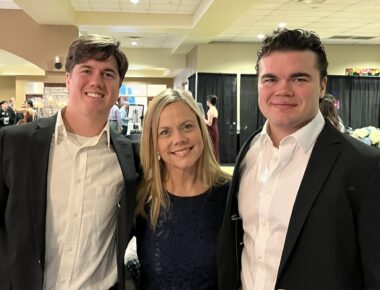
[(85, 183), (269, 184)]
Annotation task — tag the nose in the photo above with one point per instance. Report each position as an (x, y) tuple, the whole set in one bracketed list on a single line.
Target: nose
[(96, 79), (179, 137), (284, 88)]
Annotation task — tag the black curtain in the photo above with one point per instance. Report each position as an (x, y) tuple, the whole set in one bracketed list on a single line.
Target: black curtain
[(359, 99), (224, 86), (250, 116), (191, 87)]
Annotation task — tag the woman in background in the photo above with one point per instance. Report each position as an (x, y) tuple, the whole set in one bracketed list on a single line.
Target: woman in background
[(329, 111), (181, 200), (212, 124)]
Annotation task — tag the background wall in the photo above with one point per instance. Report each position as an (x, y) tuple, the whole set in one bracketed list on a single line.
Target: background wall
[(241, 58), (7, 88)]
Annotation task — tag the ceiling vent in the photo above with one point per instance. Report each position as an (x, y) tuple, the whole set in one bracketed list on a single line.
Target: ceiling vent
[(363, 37), (352, 37)]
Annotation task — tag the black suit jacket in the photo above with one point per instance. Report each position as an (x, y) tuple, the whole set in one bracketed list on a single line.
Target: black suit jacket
[(24, 154), (333, 238)]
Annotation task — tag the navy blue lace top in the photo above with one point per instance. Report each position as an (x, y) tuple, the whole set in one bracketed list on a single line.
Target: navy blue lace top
[(180, 254)]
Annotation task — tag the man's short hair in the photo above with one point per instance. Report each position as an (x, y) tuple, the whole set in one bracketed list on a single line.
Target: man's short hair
[(298, 39), (96, 47)]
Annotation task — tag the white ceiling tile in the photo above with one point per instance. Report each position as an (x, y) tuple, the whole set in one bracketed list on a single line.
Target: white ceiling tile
[(131, 8)]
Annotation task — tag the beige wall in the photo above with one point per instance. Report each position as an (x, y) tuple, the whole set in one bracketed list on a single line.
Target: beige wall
[(7, 88), (341, 57), (241, 58)]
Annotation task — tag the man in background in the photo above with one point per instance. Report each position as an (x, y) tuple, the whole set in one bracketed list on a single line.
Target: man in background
[(4, 114), (124, 110), (114, 119)]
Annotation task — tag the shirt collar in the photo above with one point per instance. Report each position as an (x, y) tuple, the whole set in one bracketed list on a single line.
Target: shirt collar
[(60, 132), (305, 137)]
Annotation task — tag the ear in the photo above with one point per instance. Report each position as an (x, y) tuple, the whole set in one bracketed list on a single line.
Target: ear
[(68, 79), (323, 87)]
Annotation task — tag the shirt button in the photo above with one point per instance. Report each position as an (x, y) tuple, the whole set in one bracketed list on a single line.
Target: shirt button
[(77, 180), (69, 249), (259, 257), (264, 223)]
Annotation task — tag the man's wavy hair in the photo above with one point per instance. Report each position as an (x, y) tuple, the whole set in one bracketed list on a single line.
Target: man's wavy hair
[(98, 47), (298, 39)]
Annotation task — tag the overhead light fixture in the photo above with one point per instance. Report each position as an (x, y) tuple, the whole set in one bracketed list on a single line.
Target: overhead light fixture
[(260, 36), (134, 1), (134, 40), (311, 1)]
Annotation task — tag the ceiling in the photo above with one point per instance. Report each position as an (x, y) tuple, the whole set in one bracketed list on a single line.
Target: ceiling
[(180, 25)]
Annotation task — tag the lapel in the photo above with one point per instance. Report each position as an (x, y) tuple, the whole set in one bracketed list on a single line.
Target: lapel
[(322, 159), (124, 151), (39, 144), (232, 193)]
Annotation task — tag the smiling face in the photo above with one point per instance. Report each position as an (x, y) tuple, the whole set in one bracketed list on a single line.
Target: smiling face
[(93, 88), (289, 90), (179, 140)]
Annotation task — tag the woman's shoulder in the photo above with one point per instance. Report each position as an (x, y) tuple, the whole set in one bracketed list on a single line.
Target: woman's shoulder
[(220, 191)]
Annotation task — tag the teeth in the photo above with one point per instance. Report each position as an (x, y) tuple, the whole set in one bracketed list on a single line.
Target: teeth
[(181, 152), (94, 95)]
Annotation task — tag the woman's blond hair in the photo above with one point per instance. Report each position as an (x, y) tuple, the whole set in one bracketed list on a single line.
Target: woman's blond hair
[(152, 187)]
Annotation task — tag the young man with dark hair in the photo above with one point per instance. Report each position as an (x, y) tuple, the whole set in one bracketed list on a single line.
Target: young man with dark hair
[(303, 207)]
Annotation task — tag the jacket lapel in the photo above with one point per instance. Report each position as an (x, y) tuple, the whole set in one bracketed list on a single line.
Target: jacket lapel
[(124, 151), (39, 156), (232, 193), (322, 159)]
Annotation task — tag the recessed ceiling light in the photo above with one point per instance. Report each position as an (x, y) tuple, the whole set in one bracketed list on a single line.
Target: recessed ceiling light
[(134, 40), (134, 1), (260, 36), (311, 1), (282, 25)]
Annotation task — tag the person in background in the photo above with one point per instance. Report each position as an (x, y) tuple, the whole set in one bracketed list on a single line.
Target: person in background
[(212, 123), (12, 114), (181, 200), (29, 114), (114, 119), (303, 208), (68, 183), (4, 114), (124, 110), (327, 106)]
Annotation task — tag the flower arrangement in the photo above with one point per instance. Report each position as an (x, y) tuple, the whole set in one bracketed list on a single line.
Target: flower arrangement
[(369, 135)]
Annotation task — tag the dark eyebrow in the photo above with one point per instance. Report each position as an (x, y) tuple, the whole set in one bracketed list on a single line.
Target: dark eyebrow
[(300, 74), (86, 66), (268, 75), (110, 70)]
